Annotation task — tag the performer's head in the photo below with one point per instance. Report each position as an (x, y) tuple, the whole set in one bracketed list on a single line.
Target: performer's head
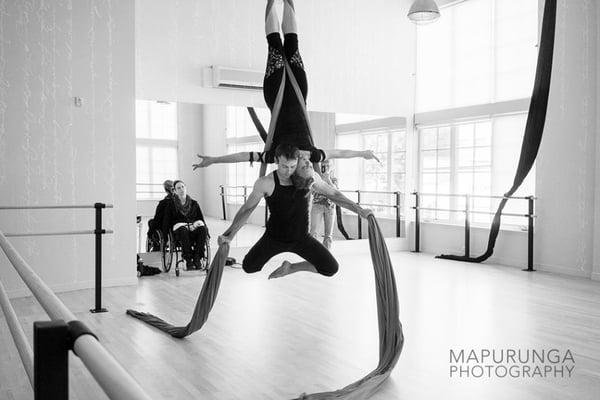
[(303, 177), (286, 156)]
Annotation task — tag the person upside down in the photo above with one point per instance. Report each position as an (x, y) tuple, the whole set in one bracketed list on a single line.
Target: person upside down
[(292, 126)]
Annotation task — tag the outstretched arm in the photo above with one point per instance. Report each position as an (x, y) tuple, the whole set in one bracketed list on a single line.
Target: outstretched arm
[(245, 211), (340, 153), (338, 197), (243, 156)]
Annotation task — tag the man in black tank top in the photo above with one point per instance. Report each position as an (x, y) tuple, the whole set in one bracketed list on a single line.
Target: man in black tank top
[(287, 195)]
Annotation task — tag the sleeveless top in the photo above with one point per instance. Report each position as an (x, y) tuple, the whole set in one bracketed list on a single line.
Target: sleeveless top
[(288, 208)]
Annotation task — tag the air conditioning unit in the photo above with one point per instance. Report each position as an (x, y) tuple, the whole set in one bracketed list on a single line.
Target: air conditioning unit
[(236, 78)]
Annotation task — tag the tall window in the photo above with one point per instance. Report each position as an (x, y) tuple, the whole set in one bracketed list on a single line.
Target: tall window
[(156, 147), (387, 138), (481, 51), (476, 158), (479, 59)]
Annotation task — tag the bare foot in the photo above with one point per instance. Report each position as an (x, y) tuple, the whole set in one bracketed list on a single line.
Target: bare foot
[(283, 270)]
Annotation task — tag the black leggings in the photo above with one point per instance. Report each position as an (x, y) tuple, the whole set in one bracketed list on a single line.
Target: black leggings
[(275, 65), (308, 248), (192, 242)]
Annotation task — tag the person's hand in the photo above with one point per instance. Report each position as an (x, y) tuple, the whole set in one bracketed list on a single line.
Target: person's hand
[(198, 224), (365, 212), (370, 155), (224, 239), (205, 161)]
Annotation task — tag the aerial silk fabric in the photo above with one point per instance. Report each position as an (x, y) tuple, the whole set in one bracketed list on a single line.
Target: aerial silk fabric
[(205, 302), (391, 338), (534, 127), (340, 223)]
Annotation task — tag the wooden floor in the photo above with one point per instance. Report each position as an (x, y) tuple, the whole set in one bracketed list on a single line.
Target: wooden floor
[(305, 333)]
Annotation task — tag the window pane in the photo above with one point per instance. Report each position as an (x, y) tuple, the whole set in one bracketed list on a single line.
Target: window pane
[(164, 164), (483, 156), (429, 159), (443, 159), (398, 141), (444, 137), (428, 139), (465, 157), (163, 120), (483, 134), (480, 51), (465, 135)]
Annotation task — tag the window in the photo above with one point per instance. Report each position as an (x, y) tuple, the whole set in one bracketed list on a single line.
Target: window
[(480, 51), (156, 147), (387, 138), (472, 158), (243, 137)]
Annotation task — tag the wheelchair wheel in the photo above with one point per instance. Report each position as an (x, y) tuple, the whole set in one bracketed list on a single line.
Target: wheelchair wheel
[(167, 250), (153, 241)]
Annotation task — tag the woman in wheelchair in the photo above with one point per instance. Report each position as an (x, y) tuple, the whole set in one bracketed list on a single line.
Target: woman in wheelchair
[(185, 218)]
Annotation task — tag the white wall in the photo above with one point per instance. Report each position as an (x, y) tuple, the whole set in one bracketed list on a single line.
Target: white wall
[(596, 269), (565, 181), (358, 54), (54, 153)]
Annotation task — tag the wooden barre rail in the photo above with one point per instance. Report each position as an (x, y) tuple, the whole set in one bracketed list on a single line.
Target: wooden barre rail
[(63, 233), (18, 335), (110, 375), (49, 207)]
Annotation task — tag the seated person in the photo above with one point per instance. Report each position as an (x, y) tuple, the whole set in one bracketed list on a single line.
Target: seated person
[(185, 218), (159, 215)]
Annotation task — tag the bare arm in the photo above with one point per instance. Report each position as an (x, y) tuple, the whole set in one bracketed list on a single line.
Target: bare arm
[(338, 197), (340, 153), (242, 156), (258, 192)]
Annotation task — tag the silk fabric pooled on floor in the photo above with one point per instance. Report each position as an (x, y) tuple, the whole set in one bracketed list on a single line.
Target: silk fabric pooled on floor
[(391, 337)]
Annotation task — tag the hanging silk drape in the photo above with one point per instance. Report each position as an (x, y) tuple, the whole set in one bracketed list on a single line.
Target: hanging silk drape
[(391, 337), (534, 127), (340, 222)]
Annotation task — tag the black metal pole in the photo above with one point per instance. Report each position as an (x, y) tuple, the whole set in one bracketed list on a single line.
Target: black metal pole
[(397, 214), (50, 360), (530, 216), (223, 202), (417, 223), (98, 232), (467, 226), (359, 218)]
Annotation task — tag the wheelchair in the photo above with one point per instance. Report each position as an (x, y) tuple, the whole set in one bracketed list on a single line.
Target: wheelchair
[(171, 249)]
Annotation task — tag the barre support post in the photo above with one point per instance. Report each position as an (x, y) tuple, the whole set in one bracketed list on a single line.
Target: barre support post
[(51, 360), (98, 232)]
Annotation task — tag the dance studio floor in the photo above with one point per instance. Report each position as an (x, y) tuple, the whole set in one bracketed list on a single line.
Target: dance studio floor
[(275, 339)]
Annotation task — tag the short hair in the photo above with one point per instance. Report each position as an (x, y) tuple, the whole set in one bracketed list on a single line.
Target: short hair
[(168, 185), (288, 151)]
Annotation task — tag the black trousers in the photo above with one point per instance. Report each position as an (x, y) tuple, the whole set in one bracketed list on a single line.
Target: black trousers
[(308, 248), (192, 242)]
